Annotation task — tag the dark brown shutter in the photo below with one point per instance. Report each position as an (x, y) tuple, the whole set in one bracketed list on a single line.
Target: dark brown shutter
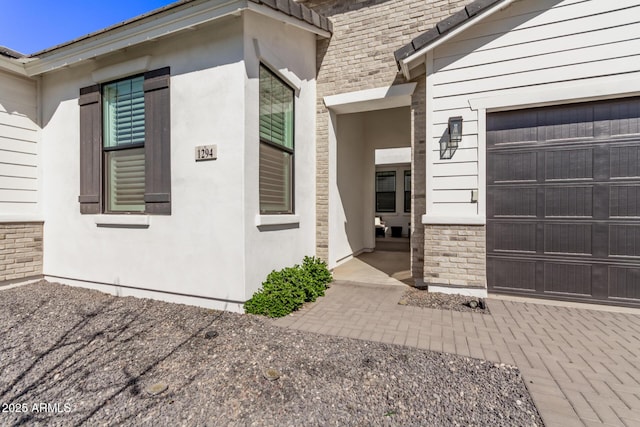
[(90, 149), (157, 195)]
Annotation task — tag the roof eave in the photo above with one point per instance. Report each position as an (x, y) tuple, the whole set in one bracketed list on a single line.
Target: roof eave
[(183, 16), (12, 65), (295, 22), (132, 34), (418, 57)]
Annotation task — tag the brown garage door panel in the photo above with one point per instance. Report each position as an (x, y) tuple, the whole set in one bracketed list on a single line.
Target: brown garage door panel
[(625, 161), (563, 201), (566, 164), (514, 166), (624, 240), (514, 236), (568, 201), (508, 274), (624, 201), (624, 282), (514, 201), (568, 238), (573, 279)]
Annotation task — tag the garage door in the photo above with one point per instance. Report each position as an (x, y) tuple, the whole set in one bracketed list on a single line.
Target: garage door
[(563, 202)]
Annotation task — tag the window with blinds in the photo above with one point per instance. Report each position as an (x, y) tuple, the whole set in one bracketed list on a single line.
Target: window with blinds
[(407, 191), (386, 191), (276, 144), (123, 142)]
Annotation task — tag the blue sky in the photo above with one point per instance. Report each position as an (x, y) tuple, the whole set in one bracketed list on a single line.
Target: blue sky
[(29, 26)]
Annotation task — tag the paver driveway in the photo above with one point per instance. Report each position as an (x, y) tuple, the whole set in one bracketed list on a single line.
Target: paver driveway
[(582, 366)]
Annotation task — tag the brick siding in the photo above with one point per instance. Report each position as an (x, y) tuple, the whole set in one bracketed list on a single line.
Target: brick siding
[(20, 251), (359, 56), (455, 255)]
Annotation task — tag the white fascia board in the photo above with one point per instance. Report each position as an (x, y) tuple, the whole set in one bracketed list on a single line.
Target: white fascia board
[(12, 66), (133, 34), (279, 16), (417, 58), (371, 99)]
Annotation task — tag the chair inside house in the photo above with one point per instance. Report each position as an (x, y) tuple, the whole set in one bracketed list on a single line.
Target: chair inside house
[(381, 228)]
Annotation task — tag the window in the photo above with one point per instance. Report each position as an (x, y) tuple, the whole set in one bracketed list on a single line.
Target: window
[(125, 164), (123, 145), (276, 144), (407, 191), (386, 191)]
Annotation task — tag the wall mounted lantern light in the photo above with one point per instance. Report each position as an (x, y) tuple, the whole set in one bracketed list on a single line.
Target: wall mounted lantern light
[(449, 144)]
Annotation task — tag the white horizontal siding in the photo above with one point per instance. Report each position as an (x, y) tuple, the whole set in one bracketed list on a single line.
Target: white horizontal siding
[(452, 196), (18, 196), (455, 168), (19, 148), (529, 46), (18, 120), (18, 171), (599, 36), (18, 145), (462, 154), (18, 183), (555, 62)]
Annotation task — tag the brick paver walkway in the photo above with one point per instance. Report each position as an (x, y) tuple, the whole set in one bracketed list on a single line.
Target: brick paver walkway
[(582, 366)]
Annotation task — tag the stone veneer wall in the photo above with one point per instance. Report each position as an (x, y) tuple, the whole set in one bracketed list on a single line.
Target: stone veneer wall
[(359, 56), (20, 251), (455, 255)]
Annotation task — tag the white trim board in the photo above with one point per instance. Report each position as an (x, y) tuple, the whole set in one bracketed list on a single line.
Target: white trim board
[(450, 220), (565, 94)]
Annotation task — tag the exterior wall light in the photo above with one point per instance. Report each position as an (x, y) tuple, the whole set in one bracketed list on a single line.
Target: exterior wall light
[(449, 144), (455, 131)]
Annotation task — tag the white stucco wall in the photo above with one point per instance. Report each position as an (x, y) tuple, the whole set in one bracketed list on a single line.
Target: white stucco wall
[(197, 251), (529, 54), (290, 52), (347, 205), (209, 251), (20, 167)]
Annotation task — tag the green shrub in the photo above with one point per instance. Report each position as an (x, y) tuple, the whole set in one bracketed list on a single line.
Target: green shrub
[(286, 290)]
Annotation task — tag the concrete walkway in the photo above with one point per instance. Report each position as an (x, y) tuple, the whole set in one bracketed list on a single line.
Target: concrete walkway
[(581, 364)]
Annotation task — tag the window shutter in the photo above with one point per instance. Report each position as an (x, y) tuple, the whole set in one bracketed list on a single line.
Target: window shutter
[(90, 149), (157, 142)]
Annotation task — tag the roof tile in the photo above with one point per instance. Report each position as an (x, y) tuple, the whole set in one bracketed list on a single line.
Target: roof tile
[(306, 15), (315, 18), (424, 39), (270, 3), (478, 6), (452, 21), (283, 6), (295, 9)]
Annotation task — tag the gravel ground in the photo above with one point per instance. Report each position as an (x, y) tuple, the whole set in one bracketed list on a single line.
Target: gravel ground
[(425, 299), (94, 359)]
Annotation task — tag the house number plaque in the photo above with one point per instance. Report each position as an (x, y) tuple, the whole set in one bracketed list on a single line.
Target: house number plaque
[(206, 152)]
